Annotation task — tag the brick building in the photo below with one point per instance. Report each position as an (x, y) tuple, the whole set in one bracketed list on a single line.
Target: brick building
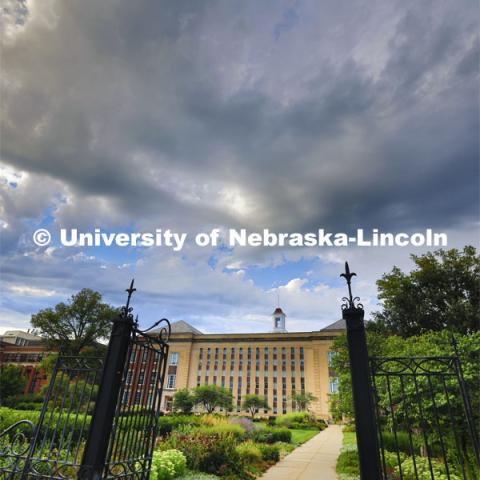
[(25, 350)]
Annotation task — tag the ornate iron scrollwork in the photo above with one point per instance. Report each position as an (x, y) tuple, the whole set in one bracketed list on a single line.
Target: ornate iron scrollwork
[(14, 447), (350, 302)]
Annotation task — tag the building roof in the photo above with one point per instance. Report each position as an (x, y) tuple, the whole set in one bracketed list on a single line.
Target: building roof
[(20, 338), (338, 325), (183, 327), (278, 310)]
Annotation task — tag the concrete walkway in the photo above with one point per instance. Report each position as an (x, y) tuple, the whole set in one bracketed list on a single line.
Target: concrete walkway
[(314, 460)]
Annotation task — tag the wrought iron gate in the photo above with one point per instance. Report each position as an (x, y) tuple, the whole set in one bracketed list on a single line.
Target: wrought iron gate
[(424, 414), (99, 417), (418, 407)]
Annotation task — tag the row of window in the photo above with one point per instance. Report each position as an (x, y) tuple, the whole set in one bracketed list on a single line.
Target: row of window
[(258, 363), (249, 350), (23, 357), (135, 356)]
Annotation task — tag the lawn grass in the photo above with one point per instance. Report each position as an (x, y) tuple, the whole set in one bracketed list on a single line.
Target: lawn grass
[(349, 438), (347, 462), (301, 436)]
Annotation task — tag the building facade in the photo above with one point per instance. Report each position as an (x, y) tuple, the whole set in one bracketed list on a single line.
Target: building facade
[(273, 365), (25, 350)]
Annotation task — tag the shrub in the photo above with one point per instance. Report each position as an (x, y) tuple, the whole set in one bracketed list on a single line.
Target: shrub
[(391, 459), (272, 435), (236, 431), (347, 462), (249, 452), (168, 464), (209, 453), (271, 420), (197, 476), (402, 440), (9, 416), (300, 420), (212, 420), (245, 423), (30, 401), (423, 470), (171, 422), (270, 453)]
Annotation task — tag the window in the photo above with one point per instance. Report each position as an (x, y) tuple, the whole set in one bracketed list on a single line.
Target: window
[(277, 322), (330, 358), (174, 358), (334, 385), (138, 396), (141, 377), (171, 379)]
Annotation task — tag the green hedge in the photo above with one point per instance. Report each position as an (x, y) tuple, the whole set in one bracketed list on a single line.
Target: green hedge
[(169, 423), (300, 420), (9, 416), (270, 453), (272, 435)]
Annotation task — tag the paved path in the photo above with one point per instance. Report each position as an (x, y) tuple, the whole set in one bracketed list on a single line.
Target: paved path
[(313, 460)]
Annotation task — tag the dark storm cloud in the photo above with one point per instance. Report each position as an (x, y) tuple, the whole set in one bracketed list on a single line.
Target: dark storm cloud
[(163, 108)]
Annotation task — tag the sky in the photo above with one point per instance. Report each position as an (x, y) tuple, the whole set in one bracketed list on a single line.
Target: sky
[(187, 115)]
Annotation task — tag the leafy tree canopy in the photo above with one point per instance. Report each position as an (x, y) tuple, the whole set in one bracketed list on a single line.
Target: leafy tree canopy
[(442, 292), (213, 396), (183, 401), (303, 400), (430, 344), (75, 325), (252, 403)]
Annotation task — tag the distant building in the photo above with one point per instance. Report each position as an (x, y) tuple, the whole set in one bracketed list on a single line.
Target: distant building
[(25, 350), (274, 365)]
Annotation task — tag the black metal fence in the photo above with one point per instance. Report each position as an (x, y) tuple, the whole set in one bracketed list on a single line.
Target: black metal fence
[(134, 431), (424, 417), (93, 424), (413, 416)]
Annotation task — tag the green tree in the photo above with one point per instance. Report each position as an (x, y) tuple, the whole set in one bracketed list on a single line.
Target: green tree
[(303, 400), (400, 399), (252, 403), (183, 401), (442, 292), (12, 381), (212, 396), (75, 325)]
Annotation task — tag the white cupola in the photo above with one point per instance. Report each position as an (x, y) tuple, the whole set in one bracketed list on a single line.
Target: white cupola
[(278, 321)]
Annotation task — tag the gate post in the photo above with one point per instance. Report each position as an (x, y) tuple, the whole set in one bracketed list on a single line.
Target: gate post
[(93, 461), (365, 421)]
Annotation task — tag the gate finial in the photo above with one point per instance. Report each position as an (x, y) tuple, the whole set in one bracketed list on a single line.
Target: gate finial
[(349, 302), (130, 291)]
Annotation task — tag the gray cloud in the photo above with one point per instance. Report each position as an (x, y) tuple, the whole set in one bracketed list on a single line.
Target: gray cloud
[(271, 114)]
